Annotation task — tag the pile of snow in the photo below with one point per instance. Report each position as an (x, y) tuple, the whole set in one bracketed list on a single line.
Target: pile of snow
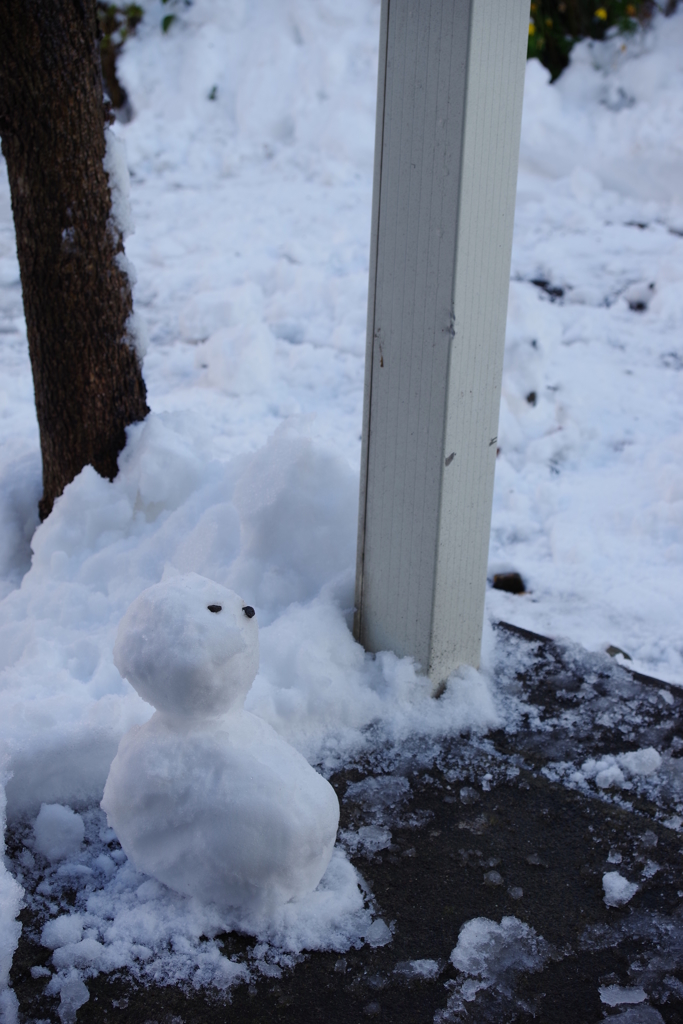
[(170, 509)]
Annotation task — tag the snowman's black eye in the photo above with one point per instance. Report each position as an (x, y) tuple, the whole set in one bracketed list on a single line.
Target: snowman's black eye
[(249, 611), (215, 607)]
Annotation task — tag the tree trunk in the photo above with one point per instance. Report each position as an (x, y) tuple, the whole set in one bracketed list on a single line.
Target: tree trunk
[(77, 295)]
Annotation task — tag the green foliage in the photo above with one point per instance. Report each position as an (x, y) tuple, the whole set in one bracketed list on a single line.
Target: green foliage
[(116, 22), (555, 25), (168, 20)]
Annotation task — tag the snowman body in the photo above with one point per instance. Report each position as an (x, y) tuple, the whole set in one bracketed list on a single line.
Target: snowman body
[(207, 797)]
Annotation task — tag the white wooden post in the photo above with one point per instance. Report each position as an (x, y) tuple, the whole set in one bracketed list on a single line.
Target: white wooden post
[(451, 78)]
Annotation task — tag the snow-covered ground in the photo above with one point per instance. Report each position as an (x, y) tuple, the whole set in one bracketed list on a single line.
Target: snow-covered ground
[(251, 162)]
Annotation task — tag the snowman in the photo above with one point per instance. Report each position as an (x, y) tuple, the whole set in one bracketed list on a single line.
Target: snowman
[(206, 797)]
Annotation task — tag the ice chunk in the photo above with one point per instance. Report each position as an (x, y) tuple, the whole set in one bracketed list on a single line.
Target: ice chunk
[(492, 953), (379, 793), (368, 837), (58, 832), (489, 956), (413, 969), (378, 934), (73, 994), (616, 995), (618, 890)]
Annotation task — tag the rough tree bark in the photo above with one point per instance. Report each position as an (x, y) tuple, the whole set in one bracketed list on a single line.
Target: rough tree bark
[(77, 298)]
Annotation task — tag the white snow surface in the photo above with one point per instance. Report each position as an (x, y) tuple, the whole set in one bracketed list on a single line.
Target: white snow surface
[(251, 253), (116, 168), (121, 225)]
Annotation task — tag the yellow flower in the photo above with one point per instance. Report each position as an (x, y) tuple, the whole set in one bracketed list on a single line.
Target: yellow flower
[(631, 10), (601, 13), (533, 8), (532, 29)]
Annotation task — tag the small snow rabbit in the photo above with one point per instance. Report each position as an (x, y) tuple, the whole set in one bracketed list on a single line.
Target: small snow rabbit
[(207, 797)]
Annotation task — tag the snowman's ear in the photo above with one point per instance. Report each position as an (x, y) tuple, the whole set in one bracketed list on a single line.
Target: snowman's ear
[(249, 611)]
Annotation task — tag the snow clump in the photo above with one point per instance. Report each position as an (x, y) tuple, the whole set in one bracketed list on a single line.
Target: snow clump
[(58, 832), (618, 890), (615, 771)]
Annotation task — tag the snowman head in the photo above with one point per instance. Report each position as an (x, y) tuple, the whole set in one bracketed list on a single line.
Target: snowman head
[(189, 647)]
